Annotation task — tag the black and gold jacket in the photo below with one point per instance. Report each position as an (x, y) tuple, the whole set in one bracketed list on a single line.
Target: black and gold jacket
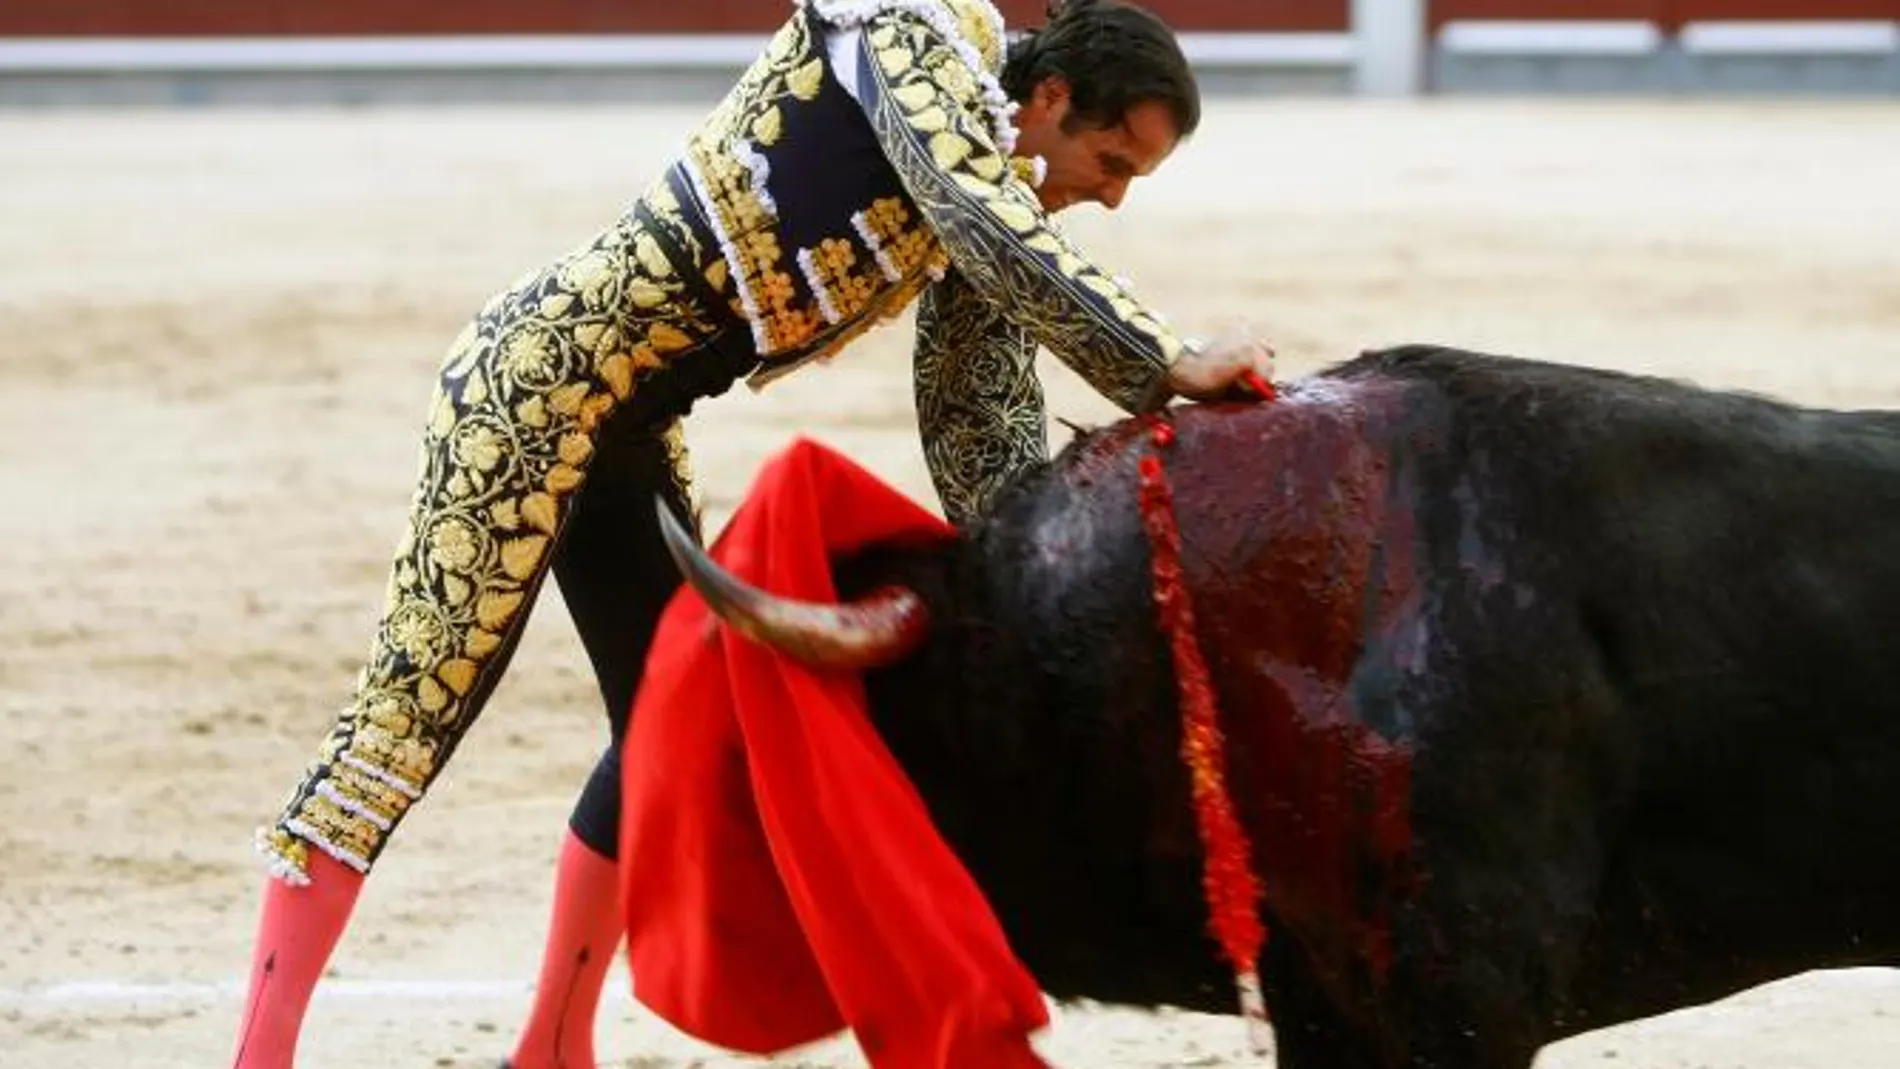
[(817, 213)]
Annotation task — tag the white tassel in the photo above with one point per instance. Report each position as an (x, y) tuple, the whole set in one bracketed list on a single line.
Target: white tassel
[(308, 834), (1253, 1007), (884, 261), (326, 789), (761, 170), (279, 866), (392, 782), (730, 252), (808, 265)]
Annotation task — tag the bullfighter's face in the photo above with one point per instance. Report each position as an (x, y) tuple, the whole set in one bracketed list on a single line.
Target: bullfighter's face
[(1085, 161)]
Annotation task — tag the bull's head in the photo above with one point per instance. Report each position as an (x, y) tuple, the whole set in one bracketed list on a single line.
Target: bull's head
[(879, 628)]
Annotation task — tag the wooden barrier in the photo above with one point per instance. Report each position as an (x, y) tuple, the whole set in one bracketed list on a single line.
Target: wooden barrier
[(403, 18), (1385, 47)]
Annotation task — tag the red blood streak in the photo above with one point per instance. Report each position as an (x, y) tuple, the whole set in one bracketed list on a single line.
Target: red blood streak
[(1230, 883), (1297, 554)]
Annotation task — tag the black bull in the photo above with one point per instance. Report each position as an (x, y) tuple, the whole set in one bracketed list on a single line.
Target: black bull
[(1553, 698)]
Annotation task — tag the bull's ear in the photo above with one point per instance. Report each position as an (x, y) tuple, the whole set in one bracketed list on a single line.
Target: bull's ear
[(881, 627)]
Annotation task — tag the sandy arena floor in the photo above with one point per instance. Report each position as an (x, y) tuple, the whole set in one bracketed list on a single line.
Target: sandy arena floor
[(218, 331)]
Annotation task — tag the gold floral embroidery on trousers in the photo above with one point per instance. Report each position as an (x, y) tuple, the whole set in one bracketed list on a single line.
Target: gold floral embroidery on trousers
[(510, 433)]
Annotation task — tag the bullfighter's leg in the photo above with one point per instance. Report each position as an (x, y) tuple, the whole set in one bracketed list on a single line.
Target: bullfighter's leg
[(512, 430), (616, 576)]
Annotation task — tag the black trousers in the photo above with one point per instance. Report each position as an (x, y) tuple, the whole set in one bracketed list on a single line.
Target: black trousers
[(616, 577)]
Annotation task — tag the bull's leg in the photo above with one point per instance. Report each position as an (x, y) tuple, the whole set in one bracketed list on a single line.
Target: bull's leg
[(1309, 1031), (1517, 787), (1431, 1016), (1468, 989), (1475, 1047), (1510, 861), (1451, 1024)]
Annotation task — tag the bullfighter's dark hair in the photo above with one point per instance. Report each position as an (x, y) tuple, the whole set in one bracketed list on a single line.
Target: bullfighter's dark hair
[(1114, 55)]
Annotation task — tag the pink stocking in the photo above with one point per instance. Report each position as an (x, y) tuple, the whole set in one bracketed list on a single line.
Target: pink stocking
[(583, 935), (296, 934)]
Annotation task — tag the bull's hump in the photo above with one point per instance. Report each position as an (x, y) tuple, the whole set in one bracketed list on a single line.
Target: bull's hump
[(1293, 520), (1084, 525), (1317, 454), (1287, 501)]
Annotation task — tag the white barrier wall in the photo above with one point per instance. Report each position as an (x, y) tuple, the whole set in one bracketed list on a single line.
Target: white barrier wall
[(1391, 58)]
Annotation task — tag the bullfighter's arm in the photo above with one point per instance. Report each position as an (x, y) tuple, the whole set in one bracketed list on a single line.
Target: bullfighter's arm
[(979, 402), (925, 104)]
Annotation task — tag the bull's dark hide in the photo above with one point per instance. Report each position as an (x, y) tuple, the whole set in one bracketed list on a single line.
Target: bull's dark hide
[(1554, 697)]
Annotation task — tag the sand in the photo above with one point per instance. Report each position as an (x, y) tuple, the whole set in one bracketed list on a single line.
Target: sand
[(218, 331)]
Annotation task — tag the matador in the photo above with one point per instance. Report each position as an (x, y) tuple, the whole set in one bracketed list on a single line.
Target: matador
[(878, 152)]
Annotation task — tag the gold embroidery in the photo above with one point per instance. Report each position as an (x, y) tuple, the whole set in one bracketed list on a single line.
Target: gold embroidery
[(843, 293), (507, 444), (981, 24), (721, 162), (950, 163), (980, 407), (806, 80), (766, 295), (728, 163), (887, 226)]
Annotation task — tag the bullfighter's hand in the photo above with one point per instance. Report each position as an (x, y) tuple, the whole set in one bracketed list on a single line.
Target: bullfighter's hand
[(1223, 371)]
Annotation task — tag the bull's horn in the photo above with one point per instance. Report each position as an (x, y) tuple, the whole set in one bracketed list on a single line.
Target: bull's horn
[(879, 628)]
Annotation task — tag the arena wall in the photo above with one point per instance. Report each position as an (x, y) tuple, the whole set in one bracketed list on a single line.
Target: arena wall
[(207, 51), (1660, 46), (111, 18)]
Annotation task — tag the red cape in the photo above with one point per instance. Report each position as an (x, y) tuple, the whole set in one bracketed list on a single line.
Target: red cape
[(781, 878)]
